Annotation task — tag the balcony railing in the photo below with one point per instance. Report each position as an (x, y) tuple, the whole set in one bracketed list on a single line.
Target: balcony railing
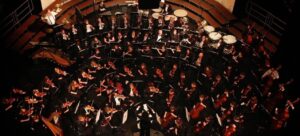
[(266, 18), (13, 20)]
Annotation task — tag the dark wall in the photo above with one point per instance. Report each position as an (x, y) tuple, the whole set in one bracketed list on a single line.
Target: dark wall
[(148, 4), (239, 8), (288, 55)]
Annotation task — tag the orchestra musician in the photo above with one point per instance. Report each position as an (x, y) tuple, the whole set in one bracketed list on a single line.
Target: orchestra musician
[(143, 70), (101, 25), (50, 17), (198, 108), (230, 130), (167, 9), (88, 27), (102, 6), (169, 117)]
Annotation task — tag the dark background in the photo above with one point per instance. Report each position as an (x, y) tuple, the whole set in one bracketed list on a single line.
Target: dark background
[(15, 67)]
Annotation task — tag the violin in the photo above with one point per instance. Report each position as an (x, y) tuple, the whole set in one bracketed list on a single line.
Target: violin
[(49, 82), (89, 108), (31, 100), (18, 91), (67, 104), (39, 94), (26, 112), (87, 76)]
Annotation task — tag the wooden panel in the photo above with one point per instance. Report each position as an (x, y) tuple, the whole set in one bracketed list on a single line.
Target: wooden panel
[(15, 35)]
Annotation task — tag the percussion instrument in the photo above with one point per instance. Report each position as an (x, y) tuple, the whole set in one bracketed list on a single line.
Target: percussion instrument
[(168, 17), (229, 39), (209, 29), (158, 10), (215, 36), (180, 13), (156, 15)]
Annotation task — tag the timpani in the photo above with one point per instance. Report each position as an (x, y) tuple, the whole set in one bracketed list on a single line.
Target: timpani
[(156, 15), (180, 13), (229, 39), (168, 17), (158, 10), (209, 29), (214, 36)]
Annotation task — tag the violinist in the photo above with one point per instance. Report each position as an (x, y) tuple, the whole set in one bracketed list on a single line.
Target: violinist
[(127, 72), (143, 70), (217, 85), (147, 51), (158, 74), (74, 86), (108, 115), (187, 56), (178, 51), (95, 43), (198, 61), (161, 52), (88, 109), (26, 114), (61, 73), (182, 82), (173, 72), (94, 67), (39, 94), (133, 91), (109, 38), (203, 42), (129, 52), (66, 106), (116, 51), (48, 83), (170, 100), (88, 27), (175, 37), (96, 54), (146, 38), (85, 77)]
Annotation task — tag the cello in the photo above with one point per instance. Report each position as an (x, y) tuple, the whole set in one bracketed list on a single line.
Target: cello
[(198, 108), (168, 117)]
